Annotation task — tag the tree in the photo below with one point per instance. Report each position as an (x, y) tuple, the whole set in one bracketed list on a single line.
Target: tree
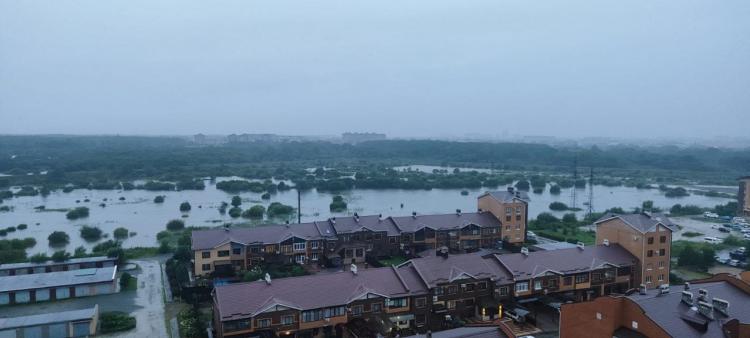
[(265, 196), (39, 258), (337, 204), (547, 218), (164, 247), (58, 238), (175, 225), (235, 212), (185, 207), (554, 189), (570, 218), (76, 213), (121, 233), (125, 280), (558, 206), (236, 201), (79, 252), (256, 211), (278, 209), (159, 199), (91, 233), (22, 227), (647, 205), (523, 185), (60, 256), (223, 208)]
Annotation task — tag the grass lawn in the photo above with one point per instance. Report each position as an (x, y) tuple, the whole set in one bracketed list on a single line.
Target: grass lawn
[(396, 260), (586, 237), (132, 284), (141, 252), (692, 234), (688, 274)]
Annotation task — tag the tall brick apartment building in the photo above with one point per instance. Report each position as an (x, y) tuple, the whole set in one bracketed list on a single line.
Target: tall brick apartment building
[(500, 220)]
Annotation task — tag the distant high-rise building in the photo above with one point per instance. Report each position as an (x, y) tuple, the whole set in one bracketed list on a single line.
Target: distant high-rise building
[(362, 137), (743, 197)]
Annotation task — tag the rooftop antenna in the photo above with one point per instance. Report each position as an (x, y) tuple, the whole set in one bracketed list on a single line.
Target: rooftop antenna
[(591, 192)]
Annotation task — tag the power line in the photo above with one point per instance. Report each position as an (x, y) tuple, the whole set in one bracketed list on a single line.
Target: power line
[(591, 192)]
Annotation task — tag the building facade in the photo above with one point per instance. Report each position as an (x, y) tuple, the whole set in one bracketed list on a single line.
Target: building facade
[(15, 269), (501, 219), (646, 236), (421, 294), (76, 323), (717, 307), (41, 287), (743, 197)]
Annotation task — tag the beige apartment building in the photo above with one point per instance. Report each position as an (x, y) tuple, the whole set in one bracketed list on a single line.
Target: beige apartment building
[(511, 208), (646, 236)]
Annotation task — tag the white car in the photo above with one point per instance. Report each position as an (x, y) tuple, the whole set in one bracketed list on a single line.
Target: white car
[(734, 262), (531, 234), (745, 231), (708, 214), (746, 236), (712, 240)]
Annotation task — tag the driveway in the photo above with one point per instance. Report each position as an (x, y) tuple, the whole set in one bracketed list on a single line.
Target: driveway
[(692, 225)]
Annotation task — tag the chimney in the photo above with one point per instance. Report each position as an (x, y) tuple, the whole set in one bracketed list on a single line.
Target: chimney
[(525, 251), (458, 212), (268, 279), (687, 286), (706, 309), (605, 242), (510, 189), (414, 214), (721, 306), (642, 289), (580, 245), (353, 268), (687, 298), (703, 295)]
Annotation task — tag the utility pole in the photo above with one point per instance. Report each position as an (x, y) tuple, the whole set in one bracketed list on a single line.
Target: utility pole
[(591, 192), (575, 179), (299, 207)]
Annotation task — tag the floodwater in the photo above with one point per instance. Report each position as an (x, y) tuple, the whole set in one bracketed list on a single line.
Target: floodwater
[(138, 213)]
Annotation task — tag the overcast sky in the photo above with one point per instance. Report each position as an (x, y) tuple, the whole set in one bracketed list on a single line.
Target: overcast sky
[(409, 68)]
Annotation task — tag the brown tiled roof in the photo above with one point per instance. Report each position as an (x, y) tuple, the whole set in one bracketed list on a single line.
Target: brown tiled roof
[(436, 270), (446, 221), (643, 222), (352, 224), (565, 261), (668, 311), (243, 300), (208, 239)]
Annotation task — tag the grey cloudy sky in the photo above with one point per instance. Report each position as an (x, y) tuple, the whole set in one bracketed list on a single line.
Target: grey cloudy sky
[(408, 67)]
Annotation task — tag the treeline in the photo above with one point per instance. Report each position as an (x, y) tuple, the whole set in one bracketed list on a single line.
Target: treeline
[(104, 160)]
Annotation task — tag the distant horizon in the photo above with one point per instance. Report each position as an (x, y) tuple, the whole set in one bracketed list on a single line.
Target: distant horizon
[(418, 69)]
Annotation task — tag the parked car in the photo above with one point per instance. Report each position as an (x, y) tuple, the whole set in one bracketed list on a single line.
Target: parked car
[(709, 214), (723, 230), (722, 260), (734, 262), (531, 234), (712, 240), (746, 236), (726, 225), (738, 220), (745, 231), (742, 249)]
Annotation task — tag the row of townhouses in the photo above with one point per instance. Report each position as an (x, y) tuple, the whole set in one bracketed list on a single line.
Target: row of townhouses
[(430, 293), (501, 218)]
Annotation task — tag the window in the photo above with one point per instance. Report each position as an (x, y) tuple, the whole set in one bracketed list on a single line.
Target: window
[(420, 319), (507, 227), (360, 252), (650, 240), (395, 302), (582, 278), (503, 291), (314, 245), (392, 240), (469, 288), (334, 311), (537, 285), (518, 227), (650, 253), (508, 218), (237, 251), (206, 254), (23, 296), (599, 315), (567, 280), (264, 323), (518, 217), (300, 259), (357, 310), (206, 267), (508, 211), (662, 252), (661, 277), (236, 325), (255, 249), (452, 289), (451, 304), (378, 237), (223, 253), (314, 256), (482, 285), (62, 293), (661, 264), (522, 287), (377, 307), (518, 210), (649, 266), (438, 291), (299, 246), (663, 239), (648, 279), (420, 302), (634, 324)]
